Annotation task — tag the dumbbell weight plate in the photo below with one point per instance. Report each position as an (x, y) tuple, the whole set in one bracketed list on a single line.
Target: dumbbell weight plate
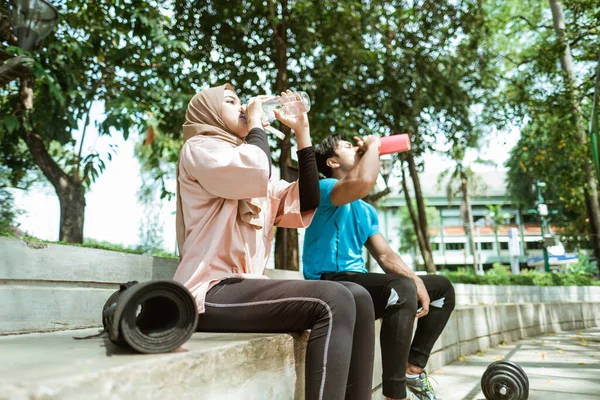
[(504, 380), (518, 370)]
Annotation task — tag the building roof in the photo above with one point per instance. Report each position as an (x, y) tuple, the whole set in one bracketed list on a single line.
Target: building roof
[(458, 230)]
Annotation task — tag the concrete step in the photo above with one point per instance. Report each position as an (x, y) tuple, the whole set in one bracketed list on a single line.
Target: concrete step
[(240, 366), (49, 287), (209, 366)]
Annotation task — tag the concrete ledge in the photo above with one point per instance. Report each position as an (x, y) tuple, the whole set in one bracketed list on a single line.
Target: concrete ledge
[(475, 328), (209, 366), (50, 287), (491, 294), (232, 366)]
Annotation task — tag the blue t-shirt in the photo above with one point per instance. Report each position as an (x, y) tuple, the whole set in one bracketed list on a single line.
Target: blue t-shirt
[(334, 240)]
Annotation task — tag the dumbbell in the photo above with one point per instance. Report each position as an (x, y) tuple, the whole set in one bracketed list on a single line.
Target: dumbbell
[(505, 380)]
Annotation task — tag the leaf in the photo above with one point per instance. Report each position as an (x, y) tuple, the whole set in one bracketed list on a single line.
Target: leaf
[(11, 123)]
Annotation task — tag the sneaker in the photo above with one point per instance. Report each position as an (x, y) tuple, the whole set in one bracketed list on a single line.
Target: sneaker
[(421, 387), (411, 396)]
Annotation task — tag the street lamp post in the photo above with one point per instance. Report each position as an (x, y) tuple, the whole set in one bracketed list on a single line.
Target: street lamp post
[(543, 211), (594, 121), (386, 163), (32, 21)]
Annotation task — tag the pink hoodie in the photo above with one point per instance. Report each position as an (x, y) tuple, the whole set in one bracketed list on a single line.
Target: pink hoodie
[(216, 178)]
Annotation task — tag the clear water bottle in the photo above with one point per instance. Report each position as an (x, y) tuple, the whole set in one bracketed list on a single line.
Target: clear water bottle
[(289, 105)]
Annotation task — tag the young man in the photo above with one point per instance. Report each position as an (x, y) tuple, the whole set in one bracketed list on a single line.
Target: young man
[(333, 246)]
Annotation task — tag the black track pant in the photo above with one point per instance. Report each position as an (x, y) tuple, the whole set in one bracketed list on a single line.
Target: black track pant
[(398, 321), (341, 345)]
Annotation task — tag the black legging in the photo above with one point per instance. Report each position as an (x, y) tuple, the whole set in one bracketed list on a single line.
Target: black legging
[(340, 352), (398, 321)]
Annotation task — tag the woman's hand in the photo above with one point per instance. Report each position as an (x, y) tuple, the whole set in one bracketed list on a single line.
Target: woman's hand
[(254, 112), (298, 123)]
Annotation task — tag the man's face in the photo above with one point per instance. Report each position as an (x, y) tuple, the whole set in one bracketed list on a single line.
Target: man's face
[(346, 156), (232, 115)]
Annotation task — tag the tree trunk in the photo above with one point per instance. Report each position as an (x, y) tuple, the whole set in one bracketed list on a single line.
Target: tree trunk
[(415, 221), (286, 240), (496, 242), (422, 216), (566, 62), (70, 191), (468, 219)]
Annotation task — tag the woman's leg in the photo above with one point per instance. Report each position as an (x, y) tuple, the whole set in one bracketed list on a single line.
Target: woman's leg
[(327, 308), (395, 300), (360, 377)]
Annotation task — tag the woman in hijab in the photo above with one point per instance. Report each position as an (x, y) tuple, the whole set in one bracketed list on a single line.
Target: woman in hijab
[(227, 208)]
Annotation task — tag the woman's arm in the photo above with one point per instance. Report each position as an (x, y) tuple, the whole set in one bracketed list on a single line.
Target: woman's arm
[(308, 179), (258, 137), (229, 172)]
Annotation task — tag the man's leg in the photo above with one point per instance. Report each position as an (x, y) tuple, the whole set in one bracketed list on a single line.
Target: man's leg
[(430, 327), (327, 308)]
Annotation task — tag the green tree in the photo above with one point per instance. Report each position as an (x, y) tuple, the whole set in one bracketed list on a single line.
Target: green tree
[(464, 181), (262, 47), (577, 128), (414, 69), (547, 57), (8, 213), (116, 55), (497, 218), (408, 237)]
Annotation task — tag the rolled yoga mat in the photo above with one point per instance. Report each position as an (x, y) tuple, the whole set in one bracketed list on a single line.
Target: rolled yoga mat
[(150, 317)]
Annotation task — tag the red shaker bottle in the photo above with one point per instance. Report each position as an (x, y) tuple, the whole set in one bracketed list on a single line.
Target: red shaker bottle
[(394, 144)]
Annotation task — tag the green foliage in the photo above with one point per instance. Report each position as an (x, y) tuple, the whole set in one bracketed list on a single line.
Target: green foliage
[(501, 275), (8, 213), (536, 98), (525, 278), (115, 56), (547, 279), (498, 275), (408, 237), (151, 240), (463, 275), (583, 267), (8, 210), (96, 244), (369, 67), (413, 68)]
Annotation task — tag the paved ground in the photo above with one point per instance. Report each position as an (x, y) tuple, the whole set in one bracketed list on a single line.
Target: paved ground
[(563, 365)]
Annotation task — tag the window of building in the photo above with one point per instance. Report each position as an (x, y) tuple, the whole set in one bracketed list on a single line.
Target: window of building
[(534, 245), (487, 246), (455, 246), (435, 246), (503, 245)]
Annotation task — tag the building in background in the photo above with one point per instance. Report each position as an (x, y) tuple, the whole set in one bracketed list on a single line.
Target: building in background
[(449, 241)]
